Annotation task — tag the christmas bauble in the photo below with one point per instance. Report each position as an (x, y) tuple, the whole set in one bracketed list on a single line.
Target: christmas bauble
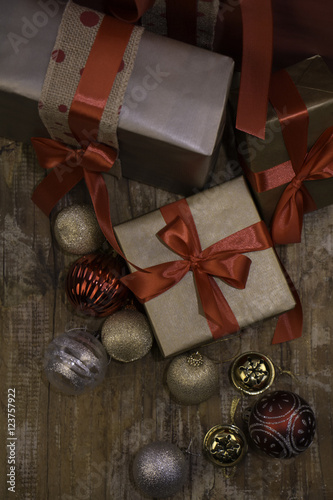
[(127, 336), (94, 286), (282, 424), (192, 378), (75, 361), (77, 231), (225, 445), (252, 373), (159, 469)]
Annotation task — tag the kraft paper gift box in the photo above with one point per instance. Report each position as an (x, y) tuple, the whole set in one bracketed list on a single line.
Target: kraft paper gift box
[(176, 315), (174, 106), (314, 82)]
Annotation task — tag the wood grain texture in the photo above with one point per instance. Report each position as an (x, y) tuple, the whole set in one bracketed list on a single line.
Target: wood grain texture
[(75, 448)]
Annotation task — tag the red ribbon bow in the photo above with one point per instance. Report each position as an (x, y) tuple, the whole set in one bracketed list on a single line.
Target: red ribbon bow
[(296, 200), (223, 259), (317, 164), (68, 166)]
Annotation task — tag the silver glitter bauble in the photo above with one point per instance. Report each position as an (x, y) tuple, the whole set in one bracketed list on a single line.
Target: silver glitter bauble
[(77, 231), (127, 336), (192, 378), (160, 469), (75, 361)]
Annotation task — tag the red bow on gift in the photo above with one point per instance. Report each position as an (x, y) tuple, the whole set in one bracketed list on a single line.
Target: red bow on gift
[(223, 259), (296, 200), (287, 222), (67, 167)]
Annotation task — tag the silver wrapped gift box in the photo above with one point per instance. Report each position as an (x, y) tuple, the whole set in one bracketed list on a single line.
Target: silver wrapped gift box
[(174, 111)]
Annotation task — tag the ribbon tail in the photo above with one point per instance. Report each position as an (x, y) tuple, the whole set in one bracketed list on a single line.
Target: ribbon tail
[(221, 319), (290, 323), (287, 221), (256, 66), (100, 199)]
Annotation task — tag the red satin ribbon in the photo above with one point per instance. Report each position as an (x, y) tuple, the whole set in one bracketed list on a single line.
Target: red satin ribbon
[(70, 166), (257, 21), (129, 10), (223, 259), (97, 79), (67, 167), (256, 66), (317, 164)]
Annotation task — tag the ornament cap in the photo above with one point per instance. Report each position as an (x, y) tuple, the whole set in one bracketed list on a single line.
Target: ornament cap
[(225, 445), (252, 373), (195, 359)]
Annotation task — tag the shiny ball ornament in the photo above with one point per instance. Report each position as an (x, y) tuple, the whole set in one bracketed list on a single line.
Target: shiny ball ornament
[(282, 424), (192, 378), (252, 373), (77, 231), (75, 361), (93, 284), (159, 470), (127, 336), (225, 445)]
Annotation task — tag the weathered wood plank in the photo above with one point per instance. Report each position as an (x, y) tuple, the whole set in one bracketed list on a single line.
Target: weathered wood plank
[(82, 447)]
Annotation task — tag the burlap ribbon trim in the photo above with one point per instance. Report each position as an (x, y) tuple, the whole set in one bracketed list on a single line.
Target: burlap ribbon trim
[(75, 40)]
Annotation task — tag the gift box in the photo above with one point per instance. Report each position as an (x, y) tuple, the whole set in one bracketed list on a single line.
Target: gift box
[(169, 118), (27, 33), (267, 161), (180, 319)]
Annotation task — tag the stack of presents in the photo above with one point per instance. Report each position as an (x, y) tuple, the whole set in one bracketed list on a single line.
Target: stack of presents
[(145, 90)]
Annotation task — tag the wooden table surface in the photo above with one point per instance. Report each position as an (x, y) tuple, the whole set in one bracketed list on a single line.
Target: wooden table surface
[(75, 448)]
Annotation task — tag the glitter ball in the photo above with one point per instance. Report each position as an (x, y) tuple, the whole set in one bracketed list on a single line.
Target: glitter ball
[(282, 424), (159, 469), (77, 231), (75, 361), (192, 378), (127, 336)]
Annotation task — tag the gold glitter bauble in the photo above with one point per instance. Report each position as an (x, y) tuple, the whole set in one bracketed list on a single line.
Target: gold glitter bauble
[(192, 378), (127, 336), (77, 231)]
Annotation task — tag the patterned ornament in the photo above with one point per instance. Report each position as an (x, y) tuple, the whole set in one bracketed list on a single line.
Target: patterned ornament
[(192, 378), (225, 445), (159, 470), (252, 373), (282, 424), (94, 286), (127, 336), (75, 361), (77, 231)]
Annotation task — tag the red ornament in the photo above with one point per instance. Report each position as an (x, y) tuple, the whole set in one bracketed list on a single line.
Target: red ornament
[(282, 424), (94, 286)]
